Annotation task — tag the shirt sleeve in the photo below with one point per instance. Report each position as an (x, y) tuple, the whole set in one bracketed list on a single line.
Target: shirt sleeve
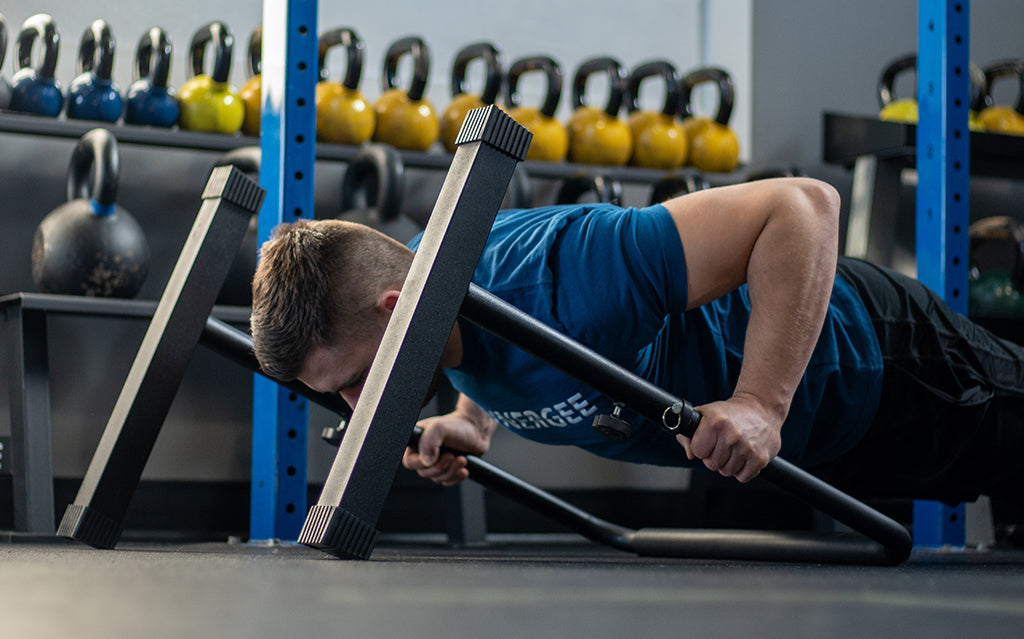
[(618, 273)]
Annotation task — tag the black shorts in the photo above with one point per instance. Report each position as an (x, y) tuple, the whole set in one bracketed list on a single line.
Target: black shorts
[(950, 422)]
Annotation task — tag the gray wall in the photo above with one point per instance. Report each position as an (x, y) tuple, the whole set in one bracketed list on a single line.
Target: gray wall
[(798, 58)]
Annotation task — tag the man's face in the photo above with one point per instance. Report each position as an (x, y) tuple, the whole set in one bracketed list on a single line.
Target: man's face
[(340, 368)]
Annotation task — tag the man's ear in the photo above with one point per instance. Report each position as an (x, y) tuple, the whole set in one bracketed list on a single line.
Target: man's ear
[(387, 300)]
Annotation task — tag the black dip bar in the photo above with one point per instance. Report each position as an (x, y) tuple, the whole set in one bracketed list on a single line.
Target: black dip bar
[(230, 199), (343, 522)]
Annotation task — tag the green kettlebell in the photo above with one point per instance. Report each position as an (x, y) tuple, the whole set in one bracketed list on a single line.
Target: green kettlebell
[(995, 289)]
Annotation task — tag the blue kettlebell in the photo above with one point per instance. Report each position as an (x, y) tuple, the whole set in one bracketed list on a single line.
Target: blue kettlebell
[(93, 94), (150, 100), (5, 88), (36, 89), (90, 245)]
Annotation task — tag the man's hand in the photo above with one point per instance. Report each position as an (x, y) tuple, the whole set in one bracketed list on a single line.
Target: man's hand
[(737, 438), (460, 430)]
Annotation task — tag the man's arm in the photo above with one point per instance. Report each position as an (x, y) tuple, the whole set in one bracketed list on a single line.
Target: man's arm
[(780, 237), (468, 428)]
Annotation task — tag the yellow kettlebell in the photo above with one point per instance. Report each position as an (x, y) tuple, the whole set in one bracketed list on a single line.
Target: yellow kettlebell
[(1003, 118), (897, 109), (462, 100), (405, 119), (658, 138), (208, 102), (714, 147), (597, 135), (343, 115), (252, 91), (550, 139)]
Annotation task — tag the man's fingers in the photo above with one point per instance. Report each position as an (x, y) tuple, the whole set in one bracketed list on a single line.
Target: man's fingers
[(684, 441)]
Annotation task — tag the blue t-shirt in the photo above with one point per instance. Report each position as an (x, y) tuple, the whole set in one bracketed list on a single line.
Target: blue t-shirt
[(615, 280)]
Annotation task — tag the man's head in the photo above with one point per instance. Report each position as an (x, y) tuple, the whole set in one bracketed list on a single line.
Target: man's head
[(322, 284)]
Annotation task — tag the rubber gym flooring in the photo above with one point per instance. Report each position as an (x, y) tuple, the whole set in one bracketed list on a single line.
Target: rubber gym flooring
[(557, 586)]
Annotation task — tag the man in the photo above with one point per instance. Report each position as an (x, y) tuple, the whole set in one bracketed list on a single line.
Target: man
[(733, 298)]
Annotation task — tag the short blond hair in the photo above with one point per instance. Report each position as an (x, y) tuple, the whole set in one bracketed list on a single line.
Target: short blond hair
[(317, 281)]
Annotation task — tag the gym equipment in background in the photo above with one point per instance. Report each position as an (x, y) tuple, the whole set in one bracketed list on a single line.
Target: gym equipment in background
[(229, 201), (996, 284), (596, 134), (91, 245), (659, 141), (462, 100), (405, 118), (5, 87), (251, 92), (550, 139), (149, 100), (208, 102), (237, 288), (343, 115), (373, 186), (93, 94), (588, 186), (1002, 118), (677, 183), (36, 89), (714, 147), (904, 110)]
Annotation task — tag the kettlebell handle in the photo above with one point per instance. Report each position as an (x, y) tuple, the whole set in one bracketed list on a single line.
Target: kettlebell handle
[(420, 53), (354, 46), (153, 44), (997, 228), (97, 42), (889, 74), (94, 168), (663, 69), (617, 79), (1003, 69), (219, 34), (551, 70), (39, 26), (375, 179), (256, 51), (726, 92), (493, 70)]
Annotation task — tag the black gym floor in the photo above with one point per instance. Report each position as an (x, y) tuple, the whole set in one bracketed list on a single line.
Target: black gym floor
[(550, 586)]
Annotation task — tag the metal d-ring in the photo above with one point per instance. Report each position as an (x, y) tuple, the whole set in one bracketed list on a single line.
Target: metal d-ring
[(676, 409)]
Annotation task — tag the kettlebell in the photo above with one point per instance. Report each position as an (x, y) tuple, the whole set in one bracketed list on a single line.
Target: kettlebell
[(905, 109), (90, 245), (150, 101), (251, 92), (677, 183), (714, 147), (208, 102), (373, 185), (405, 119), (996, 291), (550, 139), (597, 135), (589, 187), (462, 100), (237, 288), (1001, 118), (658, 138), (35, 89), (343, 115), (93, 94), (5, 87)]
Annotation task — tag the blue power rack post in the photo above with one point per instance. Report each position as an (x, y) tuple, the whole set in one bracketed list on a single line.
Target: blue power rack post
[(943, 148), (288, 145)]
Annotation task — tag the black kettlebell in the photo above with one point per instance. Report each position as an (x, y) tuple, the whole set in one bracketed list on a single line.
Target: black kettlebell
[(36, 89), (993, 288), (5, 88), (589, 187), (676, 183), (93, 94), (373, 185), (237, 288), (90, 245)]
